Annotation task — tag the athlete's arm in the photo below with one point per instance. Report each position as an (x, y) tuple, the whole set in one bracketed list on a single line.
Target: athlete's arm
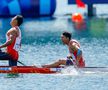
[(12, 36), (69, 56), (79, 55)]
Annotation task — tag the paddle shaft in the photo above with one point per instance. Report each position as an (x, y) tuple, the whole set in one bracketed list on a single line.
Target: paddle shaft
[(21, 63)]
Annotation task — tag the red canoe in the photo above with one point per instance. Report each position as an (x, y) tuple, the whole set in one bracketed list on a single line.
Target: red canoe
[(27, 69), (33, 69)]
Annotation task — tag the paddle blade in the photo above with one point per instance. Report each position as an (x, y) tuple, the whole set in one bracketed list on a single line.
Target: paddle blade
[(80, 4)]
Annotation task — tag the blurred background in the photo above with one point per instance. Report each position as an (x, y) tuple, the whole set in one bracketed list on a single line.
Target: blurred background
[(44, 21)]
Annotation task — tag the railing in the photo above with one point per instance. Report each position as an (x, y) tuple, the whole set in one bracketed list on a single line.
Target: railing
[(89, 3)]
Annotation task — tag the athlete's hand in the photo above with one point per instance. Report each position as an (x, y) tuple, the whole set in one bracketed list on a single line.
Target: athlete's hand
[(69, 57)]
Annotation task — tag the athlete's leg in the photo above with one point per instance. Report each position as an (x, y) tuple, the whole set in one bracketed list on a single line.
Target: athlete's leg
[(56, 64), (4, 56), (12, 62), (69, 62)]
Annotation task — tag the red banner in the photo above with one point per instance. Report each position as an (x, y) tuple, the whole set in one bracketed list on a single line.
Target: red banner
[(80, 3)]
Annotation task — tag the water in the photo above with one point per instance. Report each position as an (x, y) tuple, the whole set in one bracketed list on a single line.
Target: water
[(41, 44)]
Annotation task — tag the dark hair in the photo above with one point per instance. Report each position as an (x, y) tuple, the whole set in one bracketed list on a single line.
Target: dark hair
[(67, 34), (19, 19)]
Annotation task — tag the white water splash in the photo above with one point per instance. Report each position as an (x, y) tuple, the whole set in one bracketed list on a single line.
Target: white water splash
[(70, 71)]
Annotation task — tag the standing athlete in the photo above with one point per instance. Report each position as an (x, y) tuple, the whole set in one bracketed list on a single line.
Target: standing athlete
[(75, 53), (13, 42)]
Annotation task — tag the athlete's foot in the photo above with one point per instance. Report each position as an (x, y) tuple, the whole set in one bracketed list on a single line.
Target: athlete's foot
[(45, 66), (35, 66)]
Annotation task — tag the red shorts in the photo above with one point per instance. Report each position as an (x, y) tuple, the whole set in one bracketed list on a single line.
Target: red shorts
[(14, 54)]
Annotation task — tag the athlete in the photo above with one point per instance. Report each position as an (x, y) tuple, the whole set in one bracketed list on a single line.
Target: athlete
[(13, 42), (75, 53)]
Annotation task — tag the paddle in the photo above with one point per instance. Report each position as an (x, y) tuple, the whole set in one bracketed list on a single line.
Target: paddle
[(21, 63)]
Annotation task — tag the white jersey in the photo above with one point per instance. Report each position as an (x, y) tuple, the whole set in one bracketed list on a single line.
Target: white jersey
[(17, 44)]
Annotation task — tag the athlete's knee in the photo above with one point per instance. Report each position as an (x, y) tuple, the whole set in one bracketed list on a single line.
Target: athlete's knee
[(61, 61)]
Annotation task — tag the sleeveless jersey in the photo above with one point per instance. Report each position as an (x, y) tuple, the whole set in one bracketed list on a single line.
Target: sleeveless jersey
[(75, 53), (13, 49)]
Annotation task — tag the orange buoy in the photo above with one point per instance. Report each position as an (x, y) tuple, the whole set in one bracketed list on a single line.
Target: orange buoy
[(77, 17)]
